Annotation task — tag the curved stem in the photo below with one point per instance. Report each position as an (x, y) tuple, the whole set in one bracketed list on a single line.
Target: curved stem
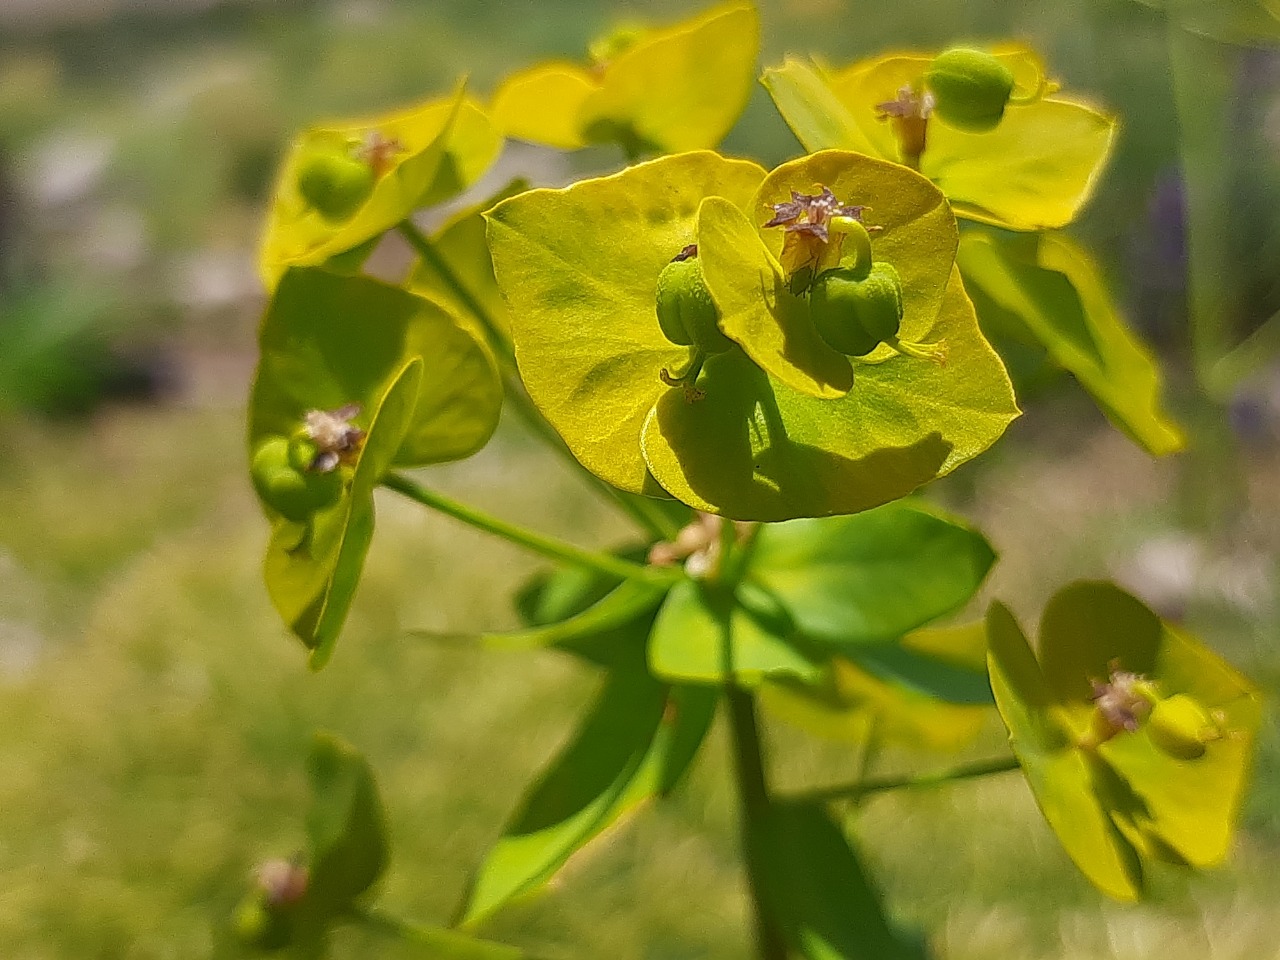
[(647, 516), (863, 788), (547, 546)]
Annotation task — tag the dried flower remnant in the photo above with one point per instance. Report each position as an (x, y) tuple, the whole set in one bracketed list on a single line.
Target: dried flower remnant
[(909, 112), (336, 439), (815, 226), (282, 883), (379, 151), (1122, 702), (698, 545)]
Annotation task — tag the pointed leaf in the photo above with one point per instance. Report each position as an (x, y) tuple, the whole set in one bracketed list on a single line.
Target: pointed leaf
[(752, 449), (620, 607), (1057, 291), (579, 269), (346, 826), (630, 747), (872, 576), (817, 890)]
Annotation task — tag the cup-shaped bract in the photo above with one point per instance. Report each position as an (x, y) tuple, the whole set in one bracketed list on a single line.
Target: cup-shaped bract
[(579, 270), (1033, 170), (1086, 723), (775, 427), (665, 90), (414, 158), (376, 378), (786, 427)]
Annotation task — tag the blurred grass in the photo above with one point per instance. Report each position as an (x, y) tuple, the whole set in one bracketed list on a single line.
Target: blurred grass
[(155, 714)]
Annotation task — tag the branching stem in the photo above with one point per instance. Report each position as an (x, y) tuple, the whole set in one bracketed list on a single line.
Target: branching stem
[(547, 546), (865, 787), (646, 515)]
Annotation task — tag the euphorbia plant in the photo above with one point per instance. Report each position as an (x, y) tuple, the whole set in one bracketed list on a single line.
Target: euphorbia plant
[(762, 368)]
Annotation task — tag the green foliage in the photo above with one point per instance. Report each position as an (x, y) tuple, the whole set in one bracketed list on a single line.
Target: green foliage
[(817, 891), (782, 353), (310, 363), (635, 743)]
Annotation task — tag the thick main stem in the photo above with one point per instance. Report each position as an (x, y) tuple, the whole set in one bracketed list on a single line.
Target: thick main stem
[(441, 942), (650, 519), (547, 546), (753, 793)]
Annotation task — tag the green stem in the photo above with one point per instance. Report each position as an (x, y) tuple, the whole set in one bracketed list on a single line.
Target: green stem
[(547, 546), (1203, 74), (865, 787), (753, 792), (645, 514), (442, 942)]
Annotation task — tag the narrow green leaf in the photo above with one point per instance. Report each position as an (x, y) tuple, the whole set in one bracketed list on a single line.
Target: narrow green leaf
[(635, 743), (312, 571), (873, 576), (346, 827), (621, 606), (817, 890)]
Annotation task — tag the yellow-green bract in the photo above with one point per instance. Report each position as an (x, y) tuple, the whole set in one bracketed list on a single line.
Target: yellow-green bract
[(1117, 800), (782, 429), (419, 157), (424, 391), (1033, 171), (677, 88)]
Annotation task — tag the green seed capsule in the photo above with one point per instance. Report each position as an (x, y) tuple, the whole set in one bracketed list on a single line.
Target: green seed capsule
[(1180, 727), (334, 182), (686, 312), (970, 88), (293, 493), (258, 926), (856, 310)]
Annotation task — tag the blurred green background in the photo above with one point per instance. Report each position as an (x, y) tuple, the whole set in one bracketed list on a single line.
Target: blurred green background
[(153, 713)]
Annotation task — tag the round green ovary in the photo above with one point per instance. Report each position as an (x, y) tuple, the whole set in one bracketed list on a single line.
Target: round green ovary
[(291, 492), (970, 88), (1180, 727), (855, 315), (686, 312), (333, 182)]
